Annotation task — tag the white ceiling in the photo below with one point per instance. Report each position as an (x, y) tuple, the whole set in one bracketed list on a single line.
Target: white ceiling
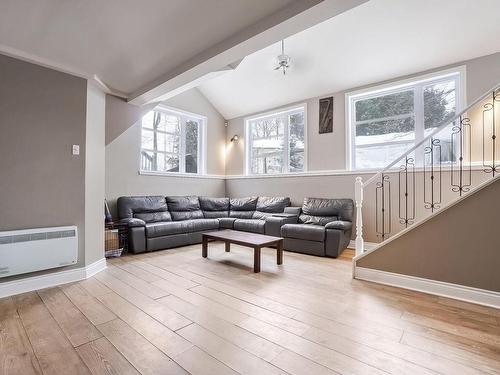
[(375, 41), (126, 43)]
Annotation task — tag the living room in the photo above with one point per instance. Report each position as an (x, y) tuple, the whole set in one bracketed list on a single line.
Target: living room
[(289, 187)]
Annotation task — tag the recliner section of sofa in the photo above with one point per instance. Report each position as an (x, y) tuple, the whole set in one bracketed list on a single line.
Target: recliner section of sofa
[(324, 227), (157, 222)]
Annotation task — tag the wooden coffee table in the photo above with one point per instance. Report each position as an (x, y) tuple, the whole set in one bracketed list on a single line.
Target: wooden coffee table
[(255, 240)]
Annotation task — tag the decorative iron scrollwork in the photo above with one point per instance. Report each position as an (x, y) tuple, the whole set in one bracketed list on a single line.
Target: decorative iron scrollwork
[(383, 207), (490, 166), (433, 173), (461, 176), (407, 192)]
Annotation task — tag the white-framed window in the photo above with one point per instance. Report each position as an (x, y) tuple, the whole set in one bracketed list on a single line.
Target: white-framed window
[(276, 142), (386, 121), (172, 141)]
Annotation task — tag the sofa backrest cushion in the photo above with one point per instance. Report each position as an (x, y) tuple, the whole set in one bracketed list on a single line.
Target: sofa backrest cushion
[(267, 206), (148, 208), (242, 208), (321, 211), (214, 207), (184, 208)]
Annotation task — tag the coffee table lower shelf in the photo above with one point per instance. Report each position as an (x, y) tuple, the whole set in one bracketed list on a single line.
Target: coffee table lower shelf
[(253, 240)]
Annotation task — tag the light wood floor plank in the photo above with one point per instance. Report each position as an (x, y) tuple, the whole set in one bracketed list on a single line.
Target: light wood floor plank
[(16, 353), (87, 304), (163, 338), (94, 287), (197, 362), (169, 318), (52, 348), (102, 358), (329, 358), (132, 268), (231, 355), (489, 364), (254, 344), (295, 364), (135, 282), (143, 355), (74, 324), (163, 274)]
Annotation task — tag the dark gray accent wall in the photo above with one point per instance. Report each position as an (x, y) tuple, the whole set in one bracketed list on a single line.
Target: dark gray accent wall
[(42, 114), (459, 246)]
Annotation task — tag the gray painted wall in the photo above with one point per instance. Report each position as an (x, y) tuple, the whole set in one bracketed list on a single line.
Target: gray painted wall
[(42, 114), (123, 154), (459, 246)]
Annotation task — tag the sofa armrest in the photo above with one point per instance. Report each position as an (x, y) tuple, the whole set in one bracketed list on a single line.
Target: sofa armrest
[(274, 223), (339, 224), (132, 222), (292, 210)]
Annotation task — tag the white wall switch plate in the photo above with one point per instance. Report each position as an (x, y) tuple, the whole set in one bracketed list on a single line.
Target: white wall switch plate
[(76, 150)]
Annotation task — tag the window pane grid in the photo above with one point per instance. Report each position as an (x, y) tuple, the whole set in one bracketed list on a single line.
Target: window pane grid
[(171, 142), (385, 125), (276, 143)]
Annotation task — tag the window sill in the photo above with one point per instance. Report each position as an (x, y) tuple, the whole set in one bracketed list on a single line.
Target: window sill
[(182, 175)]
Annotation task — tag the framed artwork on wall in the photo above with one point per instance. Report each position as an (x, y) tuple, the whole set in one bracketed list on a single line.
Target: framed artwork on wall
[(326, 115)]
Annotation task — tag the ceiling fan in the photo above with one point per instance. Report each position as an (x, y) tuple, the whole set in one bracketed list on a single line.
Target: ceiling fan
[(283, 59)]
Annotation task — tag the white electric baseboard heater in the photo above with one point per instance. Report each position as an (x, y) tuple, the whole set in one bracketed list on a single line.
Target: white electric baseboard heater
[(31, 250)]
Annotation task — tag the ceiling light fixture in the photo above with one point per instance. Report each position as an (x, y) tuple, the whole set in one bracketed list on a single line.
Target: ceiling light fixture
[(283, 59), (235, 138)]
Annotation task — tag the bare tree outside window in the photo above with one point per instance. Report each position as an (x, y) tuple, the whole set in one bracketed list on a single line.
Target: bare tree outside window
[(276, 142), (170, 142)]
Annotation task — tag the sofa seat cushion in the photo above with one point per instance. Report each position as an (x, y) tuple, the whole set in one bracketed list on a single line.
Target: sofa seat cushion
[(303, 232), (227, 222), (167, 228), (204, 224), (180, 227), (250, 225)]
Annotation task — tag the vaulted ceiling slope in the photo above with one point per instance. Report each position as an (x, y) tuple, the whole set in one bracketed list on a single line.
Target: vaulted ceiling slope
[(131, 46), (376, 41)]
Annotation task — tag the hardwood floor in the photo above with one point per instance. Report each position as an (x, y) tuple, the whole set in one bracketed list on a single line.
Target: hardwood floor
[(174, 312)]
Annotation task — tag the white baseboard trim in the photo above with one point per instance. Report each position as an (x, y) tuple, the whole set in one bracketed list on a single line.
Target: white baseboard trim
[(439, 288), (29, 284)]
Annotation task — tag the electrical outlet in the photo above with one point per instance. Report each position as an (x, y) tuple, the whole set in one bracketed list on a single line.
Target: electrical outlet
[(76, 150)]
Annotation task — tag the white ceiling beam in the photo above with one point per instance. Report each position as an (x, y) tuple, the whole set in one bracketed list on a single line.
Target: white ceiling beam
[(222, 57)]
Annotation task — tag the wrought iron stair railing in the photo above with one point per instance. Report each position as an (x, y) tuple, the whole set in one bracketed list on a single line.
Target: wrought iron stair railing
[(453, 160)]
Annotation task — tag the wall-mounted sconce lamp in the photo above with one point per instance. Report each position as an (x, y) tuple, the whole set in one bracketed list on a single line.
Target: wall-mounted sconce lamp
[(235, 138)]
